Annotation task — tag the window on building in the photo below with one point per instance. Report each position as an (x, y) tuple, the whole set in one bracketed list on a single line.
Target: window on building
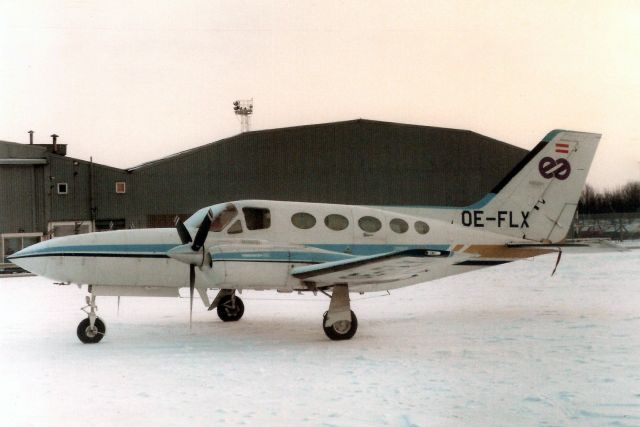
[(257, 218), (421, 227), (68, 228), (63, 188), (111, 224), (153, 221), (398, 225), (336, 222), (303, 220), (369, 224), (30, 239), (12, 243), (121, 187)]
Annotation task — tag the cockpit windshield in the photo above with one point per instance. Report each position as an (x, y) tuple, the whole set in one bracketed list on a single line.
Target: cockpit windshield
[(222, 215), (221, 220), (226, 216)]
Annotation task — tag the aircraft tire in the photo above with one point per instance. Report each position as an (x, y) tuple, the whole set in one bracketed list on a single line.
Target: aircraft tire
[(86, 335), (225, 311), (337, 331)]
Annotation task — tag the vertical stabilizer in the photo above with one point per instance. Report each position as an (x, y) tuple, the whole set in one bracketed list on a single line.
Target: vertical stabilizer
[(538, 198)]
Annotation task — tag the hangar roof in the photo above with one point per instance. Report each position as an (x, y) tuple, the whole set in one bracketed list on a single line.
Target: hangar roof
[(18, 150), (15, 153), (439, 134)]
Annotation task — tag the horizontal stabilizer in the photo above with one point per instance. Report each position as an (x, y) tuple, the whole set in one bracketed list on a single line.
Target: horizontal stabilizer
[(576, 246)]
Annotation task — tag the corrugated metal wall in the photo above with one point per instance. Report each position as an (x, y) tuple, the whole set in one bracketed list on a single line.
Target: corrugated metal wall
[(358, 162), (17, 199), (29, 197)]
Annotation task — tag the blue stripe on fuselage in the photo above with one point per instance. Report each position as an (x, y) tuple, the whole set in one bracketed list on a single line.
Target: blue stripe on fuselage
[(331, 252), (115, 249)]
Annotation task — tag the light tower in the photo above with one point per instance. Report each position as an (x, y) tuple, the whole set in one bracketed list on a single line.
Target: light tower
[(243, 109)]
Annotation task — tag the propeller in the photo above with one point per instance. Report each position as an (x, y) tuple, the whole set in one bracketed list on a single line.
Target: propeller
[(192, 282), (203, 231), (185, 237), (190, 254), (557, 261)]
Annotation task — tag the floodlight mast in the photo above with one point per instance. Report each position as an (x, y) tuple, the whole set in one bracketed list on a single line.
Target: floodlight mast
[(243, 108)]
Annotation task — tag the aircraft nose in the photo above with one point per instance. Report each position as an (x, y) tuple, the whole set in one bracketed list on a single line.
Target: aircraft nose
[(27, 258), (44, 258), (28, 251)]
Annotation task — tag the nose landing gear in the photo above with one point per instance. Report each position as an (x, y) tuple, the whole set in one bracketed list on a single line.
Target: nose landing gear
[(91, 334), (92, 329)]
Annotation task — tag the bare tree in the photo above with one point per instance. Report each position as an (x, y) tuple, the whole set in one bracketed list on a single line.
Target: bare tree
[(622, 199)]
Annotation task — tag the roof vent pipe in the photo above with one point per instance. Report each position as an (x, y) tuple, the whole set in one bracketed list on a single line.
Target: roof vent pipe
[(55, 142), (30, 137)]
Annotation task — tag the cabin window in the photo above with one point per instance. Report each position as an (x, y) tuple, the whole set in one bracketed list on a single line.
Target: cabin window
[(236, 228), (303, 220), (336, 222), (257, 218), (398, 225), (63, 188), (421, 227), (369, 224), (224, 218)]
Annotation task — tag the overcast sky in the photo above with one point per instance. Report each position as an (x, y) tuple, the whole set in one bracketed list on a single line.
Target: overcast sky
[(131, 81)]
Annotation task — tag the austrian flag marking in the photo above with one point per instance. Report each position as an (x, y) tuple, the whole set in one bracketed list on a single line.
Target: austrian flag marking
[(562, 148)]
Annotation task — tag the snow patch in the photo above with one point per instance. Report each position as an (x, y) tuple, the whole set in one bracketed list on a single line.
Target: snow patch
[(508, 345)]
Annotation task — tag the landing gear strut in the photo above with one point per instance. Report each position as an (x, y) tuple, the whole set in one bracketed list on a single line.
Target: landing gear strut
[(92, 329), (339, 322)]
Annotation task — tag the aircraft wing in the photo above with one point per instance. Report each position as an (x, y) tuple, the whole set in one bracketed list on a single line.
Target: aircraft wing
[(383, 268)]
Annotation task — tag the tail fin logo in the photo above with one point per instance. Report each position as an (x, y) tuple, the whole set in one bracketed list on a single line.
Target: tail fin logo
[(550, 168)]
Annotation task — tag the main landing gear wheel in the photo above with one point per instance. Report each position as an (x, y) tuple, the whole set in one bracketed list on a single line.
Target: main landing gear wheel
[(230, 308), (89, 335), (342, 329)]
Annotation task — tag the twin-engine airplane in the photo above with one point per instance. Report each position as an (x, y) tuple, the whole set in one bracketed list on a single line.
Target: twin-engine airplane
[(334, 249)]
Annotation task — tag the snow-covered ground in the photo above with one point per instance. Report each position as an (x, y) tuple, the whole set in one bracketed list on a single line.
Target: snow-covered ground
[(509, 345)]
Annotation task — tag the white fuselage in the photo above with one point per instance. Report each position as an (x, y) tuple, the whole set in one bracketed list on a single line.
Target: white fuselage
[(258, 258)]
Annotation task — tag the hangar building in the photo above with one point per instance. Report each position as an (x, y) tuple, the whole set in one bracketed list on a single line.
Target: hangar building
[(363, 162)]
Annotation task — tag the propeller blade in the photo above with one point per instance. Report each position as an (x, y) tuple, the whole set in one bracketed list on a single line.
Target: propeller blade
[(203, 231), (192, 282), (185, 237)]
